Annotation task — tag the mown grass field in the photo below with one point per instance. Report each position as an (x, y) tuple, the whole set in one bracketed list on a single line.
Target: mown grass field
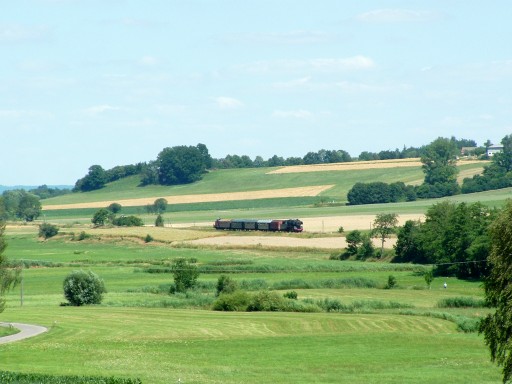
[(142, 331), (399, 335)]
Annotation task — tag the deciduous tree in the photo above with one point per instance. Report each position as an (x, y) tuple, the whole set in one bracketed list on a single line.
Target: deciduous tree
[(383, 226), (497, 327), (9, 276)]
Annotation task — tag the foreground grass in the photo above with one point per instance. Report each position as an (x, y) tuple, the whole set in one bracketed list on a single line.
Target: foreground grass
[(162, 346)]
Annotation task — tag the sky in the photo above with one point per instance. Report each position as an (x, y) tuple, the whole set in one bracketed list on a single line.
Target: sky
[(113, 82)]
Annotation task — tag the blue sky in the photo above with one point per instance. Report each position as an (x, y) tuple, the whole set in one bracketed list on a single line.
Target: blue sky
[(113, 82)]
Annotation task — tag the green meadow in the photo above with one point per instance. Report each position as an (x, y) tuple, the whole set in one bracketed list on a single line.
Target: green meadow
[(352, 328)]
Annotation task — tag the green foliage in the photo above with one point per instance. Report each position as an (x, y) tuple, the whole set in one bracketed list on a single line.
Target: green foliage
[(454, 237), (115, 208), (31, 378), (354, 239), (148, 238), (341, 229), (180, 165), (226, 284), (160, 205), (101, 217), (234, 301), (19, 204), (47, 230), (380, 192), (44, 192), (383, 226), (128, 221), (366, 250), (391, 282), (159, 221), (83, 288), (439, 162), (95, 179), (497, 327), (461, 302), (429, 277), (185, 275), (9, 276), (290, 295), (267, 301)]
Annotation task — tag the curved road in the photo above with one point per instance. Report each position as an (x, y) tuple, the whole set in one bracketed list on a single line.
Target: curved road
[(26, 331)]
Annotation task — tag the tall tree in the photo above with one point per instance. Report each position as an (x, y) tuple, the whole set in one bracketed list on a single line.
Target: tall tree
[(383, 226), (9, 276), (439, 162), (180, 165), (497, 327), (96, 178)]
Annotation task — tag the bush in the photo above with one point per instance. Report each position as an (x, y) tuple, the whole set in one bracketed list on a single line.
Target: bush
[(236, 301), (128, 221), (148, 238), (267, 301), (291, 295), (82, 288), (159, 222), (114, 207), (226, 284), (461, 302), (48, 230), (391, 282)]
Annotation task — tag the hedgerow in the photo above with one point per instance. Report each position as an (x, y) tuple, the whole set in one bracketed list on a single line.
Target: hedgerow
[(35, 378)]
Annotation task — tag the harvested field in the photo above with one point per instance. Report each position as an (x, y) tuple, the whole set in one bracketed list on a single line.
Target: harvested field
[(311, 224), (276, 241), (204, 198), (359, 165)]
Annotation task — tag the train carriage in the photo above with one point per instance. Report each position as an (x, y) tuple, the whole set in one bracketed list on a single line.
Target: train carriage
[(275, 225)]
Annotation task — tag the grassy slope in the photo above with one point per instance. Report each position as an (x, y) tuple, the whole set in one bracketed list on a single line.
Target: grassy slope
[(258, 179)]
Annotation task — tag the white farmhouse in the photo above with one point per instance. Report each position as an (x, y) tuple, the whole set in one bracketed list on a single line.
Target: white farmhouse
[(491, 150)]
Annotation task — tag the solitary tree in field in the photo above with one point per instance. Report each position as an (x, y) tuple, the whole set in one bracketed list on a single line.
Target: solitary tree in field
[(185, 275), (383, 226), (160, 205), (9, 277)]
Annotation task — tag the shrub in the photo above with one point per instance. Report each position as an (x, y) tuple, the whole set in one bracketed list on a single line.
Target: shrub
[(81, 288), (236, 301), (128, 221), (83, 236), (461, 302), (159, 222), (341, 229), (148, 238), (114, 207), (226, 284), (267, 301), (391, 282), (291, 295), (48, 230)]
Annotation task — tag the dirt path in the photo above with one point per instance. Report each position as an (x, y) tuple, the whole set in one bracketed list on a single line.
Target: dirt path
[(26, 331)]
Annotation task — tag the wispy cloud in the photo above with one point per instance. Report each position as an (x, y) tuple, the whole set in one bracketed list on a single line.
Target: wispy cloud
[(224, 102), (396, 16), (292, 37), (295, 114), (13, 33), (100, 109), (312, 65)]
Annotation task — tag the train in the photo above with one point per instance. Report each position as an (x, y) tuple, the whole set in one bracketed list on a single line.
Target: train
[(279, 225)]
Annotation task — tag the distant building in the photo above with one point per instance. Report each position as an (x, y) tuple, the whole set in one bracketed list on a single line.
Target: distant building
[(491, 150), (467, 151)]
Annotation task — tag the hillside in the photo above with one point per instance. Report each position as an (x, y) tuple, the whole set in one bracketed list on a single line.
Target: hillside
[(331, 182)]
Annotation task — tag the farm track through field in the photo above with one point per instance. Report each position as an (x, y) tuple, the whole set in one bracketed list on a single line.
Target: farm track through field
[(26, 331)]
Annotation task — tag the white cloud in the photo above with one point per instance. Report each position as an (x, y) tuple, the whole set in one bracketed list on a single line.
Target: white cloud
[(295, 114), (100, 109), (316, 65), (396, 16), (228, 103), (292, 37), (14, 33), (149, 61)]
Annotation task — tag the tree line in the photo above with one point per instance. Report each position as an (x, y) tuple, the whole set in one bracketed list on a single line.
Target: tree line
[(439, 166), (187, 164)]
